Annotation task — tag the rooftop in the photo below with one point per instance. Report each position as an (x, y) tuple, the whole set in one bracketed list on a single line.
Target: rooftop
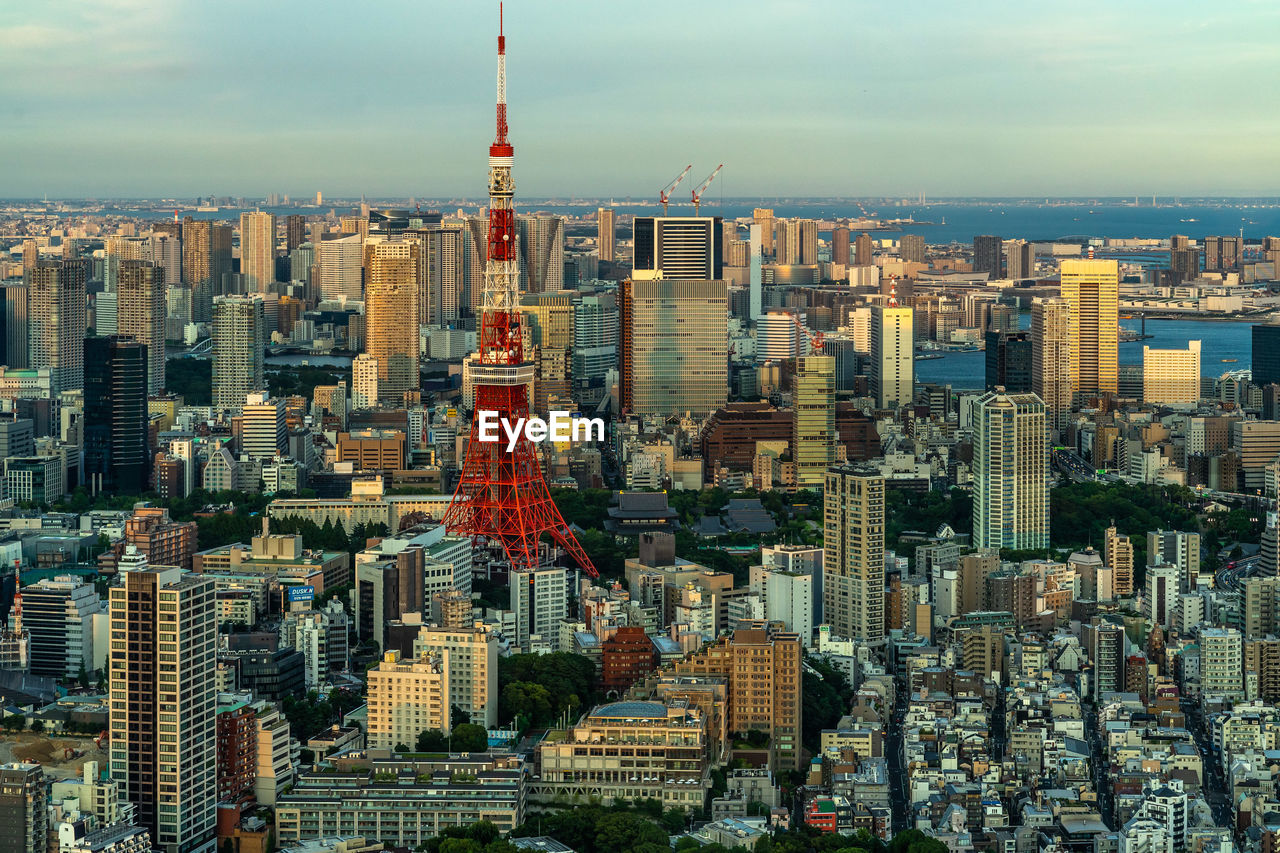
[(654, 710)]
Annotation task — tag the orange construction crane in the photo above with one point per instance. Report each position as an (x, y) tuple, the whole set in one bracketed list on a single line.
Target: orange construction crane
[(664, 194), (815, 338), (697, 194)]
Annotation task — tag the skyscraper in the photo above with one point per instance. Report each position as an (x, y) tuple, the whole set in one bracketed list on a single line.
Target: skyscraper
[(166, 253), (541, 242), (911, 247), (763, 216), (595, 346), (684, 247), (295, 231), (1010, 472), (115, 415), (390, 307), (549, 319), (163, 709), (853, 556), (840, 245), (338, 266), (605, 233), (1009, 359), (1171, 376), (58, 320), (892, 355), (675, 346), (474, 252), (206, 258), (1092, 291), (258, 250), (1221, 253), (1184, 260), (262, 431), (239, 349), (863, 251), (24, 808), (1020, 259), (1051, 377), (140, 314), (440, 303), (14, 298), (796, 241), (118, 249), (364, 382), (988, 255), (777, 338), (814, 431), (1266, 354)]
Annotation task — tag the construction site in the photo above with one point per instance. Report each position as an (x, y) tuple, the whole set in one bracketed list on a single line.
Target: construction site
[(61, 756)]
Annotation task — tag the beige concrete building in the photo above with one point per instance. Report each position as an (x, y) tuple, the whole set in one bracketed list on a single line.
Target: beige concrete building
[(605, 233), (141, 313), (1010, 472), (258, 250), (391, 305), (762, 667), (472, 654), (164, 703), (892, 355), (1051, 358), (853, 557), (1171, 376), (548, 319), (1117, 552), (814, 425), (407, 697), (1092, 291), (628, 750), (675, 345)]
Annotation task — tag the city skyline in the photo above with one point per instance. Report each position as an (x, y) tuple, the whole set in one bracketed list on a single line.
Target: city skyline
[(202, 120)]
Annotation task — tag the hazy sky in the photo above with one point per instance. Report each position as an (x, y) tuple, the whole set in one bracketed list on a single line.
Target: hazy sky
[(176, 97)]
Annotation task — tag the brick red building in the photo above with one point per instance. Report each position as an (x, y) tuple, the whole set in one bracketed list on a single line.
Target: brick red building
[(237, 751), (164, 541), (626, 657)]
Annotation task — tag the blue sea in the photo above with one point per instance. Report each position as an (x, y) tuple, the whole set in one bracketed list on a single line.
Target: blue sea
[(959, 222), (952, 221), (1219, 339)]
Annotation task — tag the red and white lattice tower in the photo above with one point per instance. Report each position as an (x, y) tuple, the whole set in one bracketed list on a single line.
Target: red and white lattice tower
[(503, 497)]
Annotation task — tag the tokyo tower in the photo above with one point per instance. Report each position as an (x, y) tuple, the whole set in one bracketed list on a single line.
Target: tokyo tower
[(502, 495)]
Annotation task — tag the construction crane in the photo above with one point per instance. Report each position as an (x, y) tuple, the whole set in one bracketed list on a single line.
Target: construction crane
[(815, 338), (697, 194), (664, 194)]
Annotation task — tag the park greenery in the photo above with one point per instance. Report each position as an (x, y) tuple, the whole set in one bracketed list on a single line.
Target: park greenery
[(544, 690), (825, 693), (195, 377), (311, 714)]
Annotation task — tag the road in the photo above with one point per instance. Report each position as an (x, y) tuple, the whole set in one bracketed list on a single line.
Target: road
[(1230, 576), (897, 760), (1215, 787)]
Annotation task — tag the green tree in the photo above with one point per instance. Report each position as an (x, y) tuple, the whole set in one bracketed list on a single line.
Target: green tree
[(627, 831), (528, 700), (431, 740), (469, 737)]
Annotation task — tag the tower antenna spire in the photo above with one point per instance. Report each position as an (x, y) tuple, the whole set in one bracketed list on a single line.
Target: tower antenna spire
[(501, 138), (502, 495)]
